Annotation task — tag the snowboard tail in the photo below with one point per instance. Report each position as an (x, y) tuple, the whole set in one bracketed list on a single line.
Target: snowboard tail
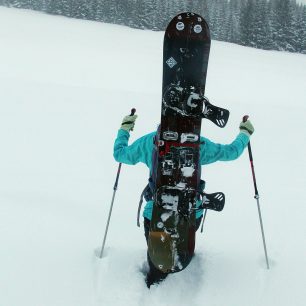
[(172, 238)]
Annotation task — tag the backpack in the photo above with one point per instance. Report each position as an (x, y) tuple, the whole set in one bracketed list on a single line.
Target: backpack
[(149, 190)]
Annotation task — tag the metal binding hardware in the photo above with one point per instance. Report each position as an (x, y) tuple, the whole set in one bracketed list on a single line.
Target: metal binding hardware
[(168, 135), (160, 143), (168, 165), (189, 137)]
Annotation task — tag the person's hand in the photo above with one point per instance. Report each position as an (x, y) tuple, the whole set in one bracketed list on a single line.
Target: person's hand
[(246, 127), (128, 122)]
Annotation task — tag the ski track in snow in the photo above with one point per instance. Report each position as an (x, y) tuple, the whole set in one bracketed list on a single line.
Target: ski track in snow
[(65, 86)]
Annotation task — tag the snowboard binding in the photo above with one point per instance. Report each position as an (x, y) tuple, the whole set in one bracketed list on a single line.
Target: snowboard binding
[(185, 101), (214, 201), (219, 116)]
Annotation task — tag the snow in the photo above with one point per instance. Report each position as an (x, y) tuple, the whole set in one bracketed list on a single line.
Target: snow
[(65, 86), (187, 171)]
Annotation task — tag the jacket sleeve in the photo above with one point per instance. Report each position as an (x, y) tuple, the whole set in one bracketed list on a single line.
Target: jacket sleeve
[(138, 151), (211, 152)]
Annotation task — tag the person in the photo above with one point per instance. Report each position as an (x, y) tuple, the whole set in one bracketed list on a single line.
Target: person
[(141, 150)]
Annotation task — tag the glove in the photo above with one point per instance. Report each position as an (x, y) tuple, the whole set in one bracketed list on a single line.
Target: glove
[(128, 122), (246, 128)]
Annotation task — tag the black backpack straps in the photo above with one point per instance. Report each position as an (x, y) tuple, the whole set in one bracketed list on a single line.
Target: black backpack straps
[(148, 191), (200, 189), (148, 196), (140, 204)]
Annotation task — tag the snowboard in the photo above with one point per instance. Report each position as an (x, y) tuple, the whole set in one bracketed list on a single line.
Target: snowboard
[(176, 176)]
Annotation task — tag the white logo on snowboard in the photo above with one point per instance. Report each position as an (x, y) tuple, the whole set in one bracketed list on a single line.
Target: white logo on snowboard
[(197, 28), (180, 26), (171, 62)]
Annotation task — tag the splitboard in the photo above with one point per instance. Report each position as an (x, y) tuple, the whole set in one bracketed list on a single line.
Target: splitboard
[(171, 240)]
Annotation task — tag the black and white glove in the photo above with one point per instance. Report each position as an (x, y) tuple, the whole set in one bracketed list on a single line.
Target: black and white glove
[(128, 122), (246, 127)]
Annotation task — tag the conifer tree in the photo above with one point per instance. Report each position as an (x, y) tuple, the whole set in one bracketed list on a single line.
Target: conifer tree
[(233, 21), (267, 24), (247, 24)]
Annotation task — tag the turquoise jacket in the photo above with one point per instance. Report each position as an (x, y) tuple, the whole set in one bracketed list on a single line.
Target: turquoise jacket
[(141, 151)]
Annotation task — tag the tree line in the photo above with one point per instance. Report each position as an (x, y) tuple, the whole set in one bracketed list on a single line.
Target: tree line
[(265, 24)]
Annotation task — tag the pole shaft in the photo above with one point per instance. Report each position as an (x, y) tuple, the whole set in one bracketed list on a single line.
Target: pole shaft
[(252, 167), (263, 234), (110, 209), (204, 217), (107, 224), (258, 206)]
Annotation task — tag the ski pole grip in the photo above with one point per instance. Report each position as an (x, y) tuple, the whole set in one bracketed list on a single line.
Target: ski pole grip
[(245, 118), (133, 111)]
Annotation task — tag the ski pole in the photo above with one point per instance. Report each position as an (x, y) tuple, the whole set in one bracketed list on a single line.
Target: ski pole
[(245, 118), (113, 199)]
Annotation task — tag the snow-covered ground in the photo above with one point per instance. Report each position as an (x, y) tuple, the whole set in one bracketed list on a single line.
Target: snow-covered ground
[(64, 87)]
